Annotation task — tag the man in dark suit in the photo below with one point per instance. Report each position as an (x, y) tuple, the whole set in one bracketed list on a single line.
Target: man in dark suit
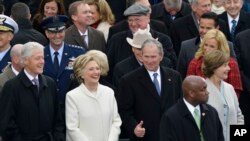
[(170, 10), (182, 122), (187, 27), (8, 27), (234, 13), (59, 56), (118, 47), (146, 93), (189, 47), (29, 105), (80, 33), (242, 43), (14, 67), (124, 25), (135, 61), (20, 12)]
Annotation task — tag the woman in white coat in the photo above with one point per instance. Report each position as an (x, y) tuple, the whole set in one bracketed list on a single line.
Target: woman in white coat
[(222, 95), (91, 108)]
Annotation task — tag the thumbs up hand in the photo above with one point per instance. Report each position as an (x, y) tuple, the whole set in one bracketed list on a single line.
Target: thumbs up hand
[(139, 130)]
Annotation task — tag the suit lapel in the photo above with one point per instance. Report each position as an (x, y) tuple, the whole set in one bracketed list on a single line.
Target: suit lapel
[(192, 26), (147, 83), (91, 38), (77, 37), (65, 60), (49, 63), (166, 86)]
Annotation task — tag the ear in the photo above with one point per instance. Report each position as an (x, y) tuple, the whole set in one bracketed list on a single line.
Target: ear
[(74, 17)]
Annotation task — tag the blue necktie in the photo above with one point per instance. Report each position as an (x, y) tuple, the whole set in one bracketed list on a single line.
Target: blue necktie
[(156, 83), (232, 33), (56, 61)]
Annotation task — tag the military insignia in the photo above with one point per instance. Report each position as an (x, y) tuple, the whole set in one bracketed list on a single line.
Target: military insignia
[(2, 19), (70, 63)]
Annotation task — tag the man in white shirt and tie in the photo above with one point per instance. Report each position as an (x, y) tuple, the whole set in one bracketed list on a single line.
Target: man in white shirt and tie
[(141, 100), (191, 118)]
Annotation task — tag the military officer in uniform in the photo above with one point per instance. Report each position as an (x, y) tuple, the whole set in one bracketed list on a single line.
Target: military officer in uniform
[(8, 27), (59, 55)]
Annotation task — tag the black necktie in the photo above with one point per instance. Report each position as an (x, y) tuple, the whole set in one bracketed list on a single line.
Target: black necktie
[(56, 61), (232, 33)]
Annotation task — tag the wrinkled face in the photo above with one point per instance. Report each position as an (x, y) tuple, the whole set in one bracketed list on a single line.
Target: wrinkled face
[(218, 3), (138, 53), (83, 15), (95, 15), (210, 45), (50, 9), (91, 73), (205, 25), (5, 38), (34, 64), (136, 22), (233, 7), (56, 38), (201, 93), (202, 7), (222, 71), (151, 57)]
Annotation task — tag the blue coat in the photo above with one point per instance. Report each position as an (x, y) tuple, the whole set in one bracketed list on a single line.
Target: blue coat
[(4, 61), (62, 78)]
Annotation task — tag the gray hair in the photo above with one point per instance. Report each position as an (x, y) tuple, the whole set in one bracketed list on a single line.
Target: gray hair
[(16, 50), (173, 3), (28, 48), (20, 11), (151, 43), (193, 2)]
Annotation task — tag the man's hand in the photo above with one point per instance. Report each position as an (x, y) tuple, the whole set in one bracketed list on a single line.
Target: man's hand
[(139, 130)]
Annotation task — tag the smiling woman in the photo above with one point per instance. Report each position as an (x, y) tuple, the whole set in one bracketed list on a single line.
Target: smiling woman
[(221, 94), (47, 8), (214, 39), (91, 109)]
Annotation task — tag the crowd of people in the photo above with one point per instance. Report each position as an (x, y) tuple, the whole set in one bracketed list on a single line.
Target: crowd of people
[(135, 70)]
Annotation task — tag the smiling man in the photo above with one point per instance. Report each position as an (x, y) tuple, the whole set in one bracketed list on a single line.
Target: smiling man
[(145, 93), (59, 55), (8, 27), (29, 105), (234, 15)]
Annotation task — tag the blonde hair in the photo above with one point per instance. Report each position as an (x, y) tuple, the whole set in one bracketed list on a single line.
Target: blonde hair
[(101, 59), (221, 41), (103, 9), (93, 55)]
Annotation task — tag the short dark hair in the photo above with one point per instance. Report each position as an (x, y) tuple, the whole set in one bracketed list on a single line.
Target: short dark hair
[(212, 16), (19, 11)]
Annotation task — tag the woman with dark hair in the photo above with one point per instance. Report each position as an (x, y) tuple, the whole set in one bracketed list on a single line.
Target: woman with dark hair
[(222, 95), (47, 8)]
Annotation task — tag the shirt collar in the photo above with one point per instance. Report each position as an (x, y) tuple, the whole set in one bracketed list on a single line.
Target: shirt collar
[(191, 107), (14, 70), (231, 18), (152, 72), (85, 33), (30, 76), (60, 51)]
